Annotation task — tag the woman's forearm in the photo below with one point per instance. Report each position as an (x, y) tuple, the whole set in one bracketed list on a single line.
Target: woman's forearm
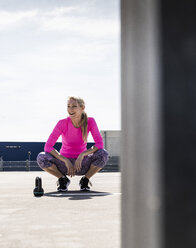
[(89, 151), (57, 155)]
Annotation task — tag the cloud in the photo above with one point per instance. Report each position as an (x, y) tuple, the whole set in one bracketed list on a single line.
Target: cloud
[(12, 19), (82, 26), (51, 52), (63, 19)]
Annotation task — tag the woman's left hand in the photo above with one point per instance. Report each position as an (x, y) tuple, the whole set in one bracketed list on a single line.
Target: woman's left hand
[(78, 162)]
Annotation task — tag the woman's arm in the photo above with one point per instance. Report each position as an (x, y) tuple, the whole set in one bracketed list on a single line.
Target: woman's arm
[(57, 155), (93, 128), (57, 131), (98, 143), (49, 147), (89, 151)]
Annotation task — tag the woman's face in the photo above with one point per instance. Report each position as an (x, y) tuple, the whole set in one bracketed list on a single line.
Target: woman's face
[(74, 110)]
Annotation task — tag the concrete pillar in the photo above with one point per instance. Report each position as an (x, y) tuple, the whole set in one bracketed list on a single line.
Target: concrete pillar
[(178, 25), (140, 155)]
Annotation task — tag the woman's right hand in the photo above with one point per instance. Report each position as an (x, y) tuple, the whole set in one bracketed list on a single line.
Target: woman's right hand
[(70, 168)]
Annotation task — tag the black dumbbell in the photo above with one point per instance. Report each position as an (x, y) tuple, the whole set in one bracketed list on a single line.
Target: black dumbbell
[(38, 191)]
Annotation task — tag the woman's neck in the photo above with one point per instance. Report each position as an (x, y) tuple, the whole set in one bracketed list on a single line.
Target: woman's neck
[(76, 122)]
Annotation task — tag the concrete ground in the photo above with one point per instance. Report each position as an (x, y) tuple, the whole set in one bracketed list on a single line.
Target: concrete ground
[(59, 220)]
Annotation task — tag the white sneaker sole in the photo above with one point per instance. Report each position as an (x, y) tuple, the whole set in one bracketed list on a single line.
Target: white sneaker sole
[(62, 190), (85, 189)]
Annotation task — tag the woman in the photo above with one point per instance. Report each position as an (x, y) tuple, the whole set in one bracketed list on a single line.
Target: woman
[(74, 158)]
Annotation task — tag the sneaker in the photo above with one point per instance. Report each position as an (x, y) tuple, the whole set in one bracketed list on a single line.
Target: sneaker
[(84, 181), (63, 184)]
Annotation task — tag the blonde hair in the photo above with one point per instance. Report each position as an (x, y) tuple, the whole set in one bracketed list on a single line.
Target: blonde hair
[(84, 117)]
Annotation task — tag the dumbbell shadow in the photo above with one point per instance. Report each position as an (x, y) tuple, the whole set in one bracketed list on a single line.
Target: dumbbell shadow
[(72, 194), (77, 194)]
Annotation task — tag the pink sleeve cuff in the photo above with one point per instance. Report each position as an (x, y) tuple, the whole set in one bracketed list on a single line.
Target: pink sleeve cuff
[(48, 148), (99, 145)]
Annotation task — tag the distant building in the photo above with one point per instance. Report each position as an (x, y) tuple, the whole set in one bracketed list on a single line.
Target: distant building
[(22, 151), (112, 141)]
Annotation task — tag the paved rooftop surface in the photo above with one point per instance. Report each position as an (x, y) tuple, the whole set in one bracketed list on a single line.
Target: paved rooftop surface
[(59, 220)]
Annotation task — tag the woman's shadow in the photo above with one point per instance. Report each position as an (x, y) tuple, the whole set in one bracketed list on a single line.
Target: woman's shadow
[(77, 195)]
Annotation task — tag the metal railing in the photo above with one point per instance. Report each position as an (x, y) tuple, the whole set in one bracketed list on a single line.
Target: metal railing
[(111, 166), (19, 166)]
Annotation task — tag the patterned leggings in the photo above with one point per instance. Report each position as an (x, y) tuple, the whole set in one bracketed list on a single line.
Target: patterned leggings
[(98, 158)]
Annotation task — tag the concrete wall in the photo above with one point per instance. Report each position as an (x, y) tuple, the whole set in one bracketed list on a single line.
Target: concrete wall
[(178, 19), (112, 142)]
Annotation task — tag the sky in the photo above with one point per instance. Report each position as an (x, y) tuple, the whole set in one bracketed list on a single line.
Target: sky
[(52, 49)]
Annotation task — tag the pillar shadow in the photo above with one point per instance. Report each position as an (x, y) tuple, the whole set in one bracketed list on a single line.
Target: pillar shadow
[(77, 195)]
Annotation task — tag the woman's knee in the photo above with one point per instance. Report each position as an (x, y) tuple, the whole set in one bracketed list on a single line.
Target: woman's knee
[(44, 160), (102, 157), (102, 153)]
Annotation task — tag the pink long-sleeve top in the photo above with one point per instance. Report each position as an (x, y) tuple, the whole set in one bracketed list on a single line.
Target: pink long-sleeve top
[(72, 141)]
